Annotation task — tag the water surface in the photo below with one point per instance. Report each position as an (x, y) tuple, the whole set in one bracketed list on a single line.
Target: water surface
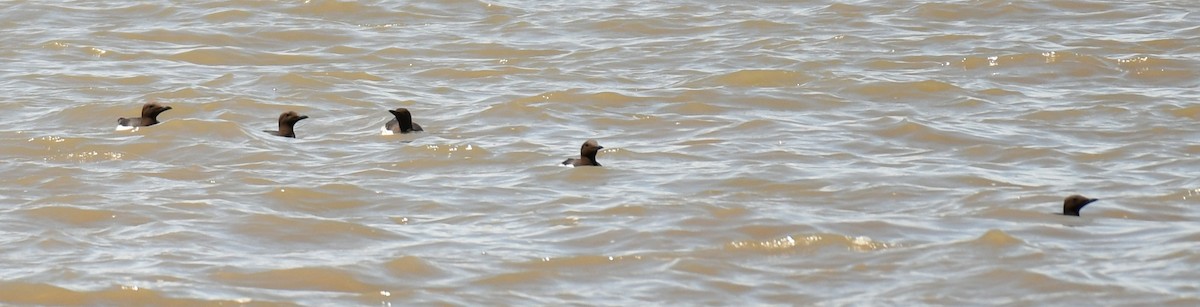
[(771, 153)]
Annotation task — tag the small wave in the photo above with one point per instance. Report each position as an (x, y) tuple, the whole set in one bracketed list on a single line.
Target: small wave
[(933, 133), (1046, 61), (910, 90), (72, 215), (581, 262), (848, 10), (292, 230), (1190, 111), (997, 238), (96, 80), (335, 8), (761, 25), (182, 37), (499, 51), (228, 16), (306, 278), (86, 156), (986, 9), (453, 73), (1032, 156), (640, 26), (527, 107), (1159, 70), (624, 210), (222, 81), (299, 80), (515, 278), (23, 293), (1167, 45), (412, 266), (811, 243), (326, 37), (461, 151), (911, 62), (324, 198), (350, 75), (178, 94), (185, 128), (235, 56), (753, 78), (67, 149), (1059, 115)]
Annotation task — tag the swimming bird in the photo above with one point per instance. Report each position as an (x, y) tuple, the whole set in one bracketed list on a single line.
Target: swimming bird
[(1074, 203), (287, 121), (149, 116), (587, 155), (401, 124)]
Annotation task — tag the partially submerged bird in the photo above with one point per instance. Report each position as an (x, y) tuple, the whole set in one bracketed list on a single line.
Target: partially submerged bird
[(587, 155), (287, 123), (401, 124), (149, 117), (1074, 203)]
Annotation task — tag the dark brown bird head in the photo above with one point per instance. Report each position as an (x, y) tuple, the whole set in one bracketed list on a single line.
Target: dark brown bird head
[(1074, 203), (589, 149), (404, 118), (287, 123), (290, 118)]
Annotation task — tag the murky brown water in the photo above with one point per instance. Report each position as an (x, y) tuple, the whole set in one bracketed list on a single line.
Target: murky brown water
[(774, 153)]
